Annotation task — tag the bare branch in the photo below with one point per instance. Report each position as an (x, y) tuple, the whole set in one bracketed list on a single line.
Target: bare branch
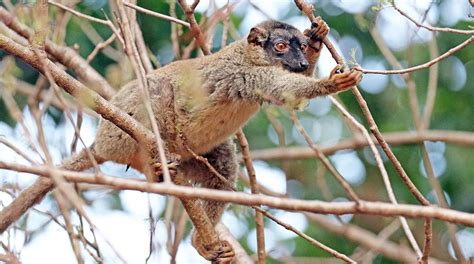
[(193, 26), (345, 185), (254, 188), (156, 14), (431, 28), (424, 65), (315, 206), (459, 138)]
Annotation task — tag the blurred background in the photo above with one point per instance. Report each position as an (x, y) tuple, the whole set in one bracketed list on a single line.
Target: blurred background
[(123, 216)]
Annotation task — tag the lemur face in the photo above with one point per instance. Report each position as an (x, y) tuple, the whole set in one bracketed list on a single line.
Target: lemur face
[(283, 44), (287, 47)]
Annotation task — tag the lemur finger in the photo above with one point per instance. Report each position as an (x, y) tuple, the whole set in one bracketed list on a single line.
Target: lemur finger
[(323, 29), (322, 33), (224, 260), (359, 76), (313, 34), (347, 79), (318, 20), (226, 253), (229, 254), (353, 79), (356, 75), (347, 84)]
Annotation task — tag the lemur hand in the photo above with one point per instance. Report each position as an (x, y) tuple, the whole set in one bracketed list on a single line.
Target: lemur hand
[(344, 78)]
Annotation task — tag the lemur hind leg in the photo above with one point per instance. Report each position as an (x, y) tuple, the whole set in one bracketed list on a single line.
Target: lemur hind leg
[(223, 159)]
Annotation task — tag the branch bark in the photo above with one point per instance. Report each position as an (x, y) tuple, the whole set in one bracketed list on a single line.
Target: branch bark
[(314, 206)]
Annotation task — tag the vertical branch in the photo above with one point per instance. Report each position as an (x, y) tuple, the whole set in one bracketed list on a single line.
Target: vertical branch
[(139, 42), (432, 85), (73, 238), (225, 27), (174, 31), (254, 188), (132, 51), (308, 10), (421, 122), (178, 234), (201, 221), (423, 125), (39, 47), (193, 26)]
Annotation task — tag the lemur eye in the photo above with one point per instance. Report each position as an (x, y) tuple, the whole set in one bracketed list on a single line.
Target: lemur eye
[(281, 46)]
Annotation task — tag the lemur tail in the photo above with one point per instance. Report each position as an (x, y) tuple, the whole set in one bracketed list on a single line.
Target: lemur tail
[(38, 190)]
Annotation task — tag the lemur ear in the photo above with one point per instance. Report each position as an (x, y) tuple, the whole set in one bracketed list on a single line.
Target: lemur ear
[(257, 36)]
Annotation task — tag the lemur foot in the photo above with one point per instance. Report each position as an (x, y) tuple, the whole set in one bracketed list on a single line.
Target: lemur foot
[(173, 163), (221, 253)]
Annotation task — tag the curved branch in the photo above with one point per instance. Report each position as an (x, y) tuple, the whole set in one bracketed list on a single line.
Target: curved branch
[(431, 28), (424, 65)]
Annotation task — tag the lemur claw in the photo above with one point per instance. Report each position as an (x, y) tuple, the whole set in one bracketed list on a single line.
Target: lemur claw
[(173, 163), (221, 253)]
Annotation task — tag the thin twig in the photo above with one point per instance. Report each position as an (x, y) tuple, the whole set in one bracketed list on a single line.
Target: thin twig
[(421, 66), (17, 150), (345, 185), (431, 28), (65, 55), (308, 10), (132, 51), (383, 172), (432, 86), (156, 14), (193, 26), (100, 46), (105, 22)]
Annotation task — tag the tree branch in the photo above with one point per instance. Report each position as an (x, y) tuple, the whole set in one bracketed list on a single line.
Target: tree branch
[(314, 206)]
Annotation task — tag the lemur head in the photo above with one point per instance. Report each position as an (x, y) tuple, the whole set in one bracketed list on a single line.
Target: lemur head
[(281, 44)]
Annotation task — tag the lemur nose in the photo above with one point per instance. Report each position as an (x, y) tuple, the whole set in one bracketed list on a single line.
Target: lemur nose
[(304, 64)]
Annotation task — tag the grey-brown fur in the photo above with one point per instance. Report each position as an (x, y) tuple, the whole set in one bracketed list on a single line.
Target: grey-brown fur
[(201, 102)]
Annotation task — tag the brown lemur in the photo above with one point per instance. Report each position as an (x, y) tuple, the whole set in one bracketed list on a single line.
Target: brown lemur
[(199, 103)]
